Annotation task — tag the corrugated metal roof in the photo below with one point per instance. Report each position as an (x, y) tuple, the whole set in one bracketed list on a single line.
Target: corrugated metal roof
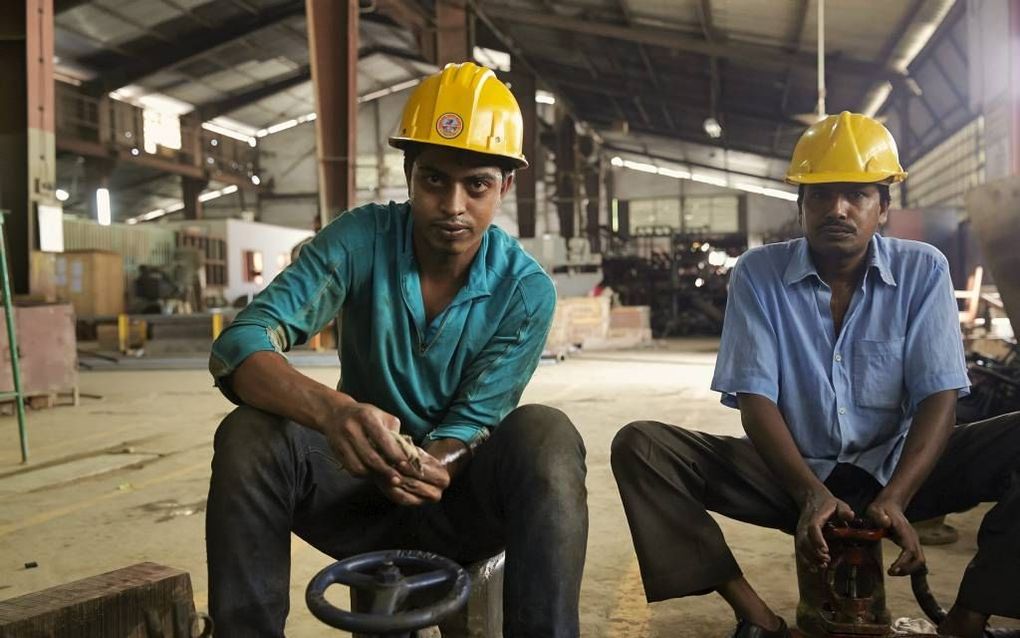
[(662, 87)]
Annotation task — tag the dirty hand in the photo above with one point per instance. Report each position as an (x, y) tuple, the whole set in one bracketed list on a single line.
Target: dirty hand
[(361, 436), (818, 508), (889, 515), (414, 488)]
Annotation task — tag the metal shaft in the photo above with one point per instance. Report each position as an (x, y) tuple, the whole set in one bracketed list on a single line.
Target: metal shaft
[(12, 343)]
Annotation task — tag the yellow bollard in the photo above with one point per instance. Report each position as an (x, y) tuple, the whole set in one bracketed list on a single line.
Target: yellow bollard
[(123, 324), (217, 325)]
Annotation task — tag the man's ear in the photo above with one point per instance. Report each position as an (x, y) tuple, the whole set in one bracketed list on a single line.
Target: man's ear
[(408, 169), (508, 181), (883, 214)]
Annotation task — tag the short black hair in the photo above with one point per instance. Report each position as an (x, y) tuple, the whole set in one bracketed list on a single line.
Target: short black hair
[(413, 149), (884, 196)]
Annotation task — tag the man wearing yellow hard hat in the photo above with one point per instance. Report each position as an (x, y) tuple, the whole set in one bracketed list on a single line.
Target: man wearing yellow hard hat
[(842, 351), (444, 318)]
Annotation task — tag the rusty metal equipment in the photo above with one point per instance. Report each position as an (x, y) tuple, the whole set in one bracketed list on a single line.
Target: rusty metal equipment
[(393, 593), (994, 386), (846, 599), (992, 210)]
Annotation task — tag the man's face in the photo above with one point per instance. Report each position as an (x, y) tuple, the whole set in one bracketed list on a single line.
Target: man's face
[(454, 196), (841, 218)]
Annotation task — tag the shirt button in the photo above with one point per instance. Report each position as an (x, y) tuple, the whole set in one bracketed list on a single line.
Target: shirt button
[(842, 410), (838, 357)]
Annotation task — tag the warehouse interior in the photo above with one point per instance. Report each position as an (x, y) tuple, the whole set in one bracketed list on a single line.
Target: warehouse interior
[(163, 158)]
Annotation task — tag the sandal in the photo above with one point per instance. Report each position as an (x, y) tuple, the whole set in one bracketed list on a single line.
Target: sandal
[(747, 630)]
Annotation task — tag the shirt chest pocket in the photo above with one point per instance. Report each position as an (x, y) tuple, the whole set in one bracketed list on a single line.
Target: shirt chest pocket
[(878, 374)]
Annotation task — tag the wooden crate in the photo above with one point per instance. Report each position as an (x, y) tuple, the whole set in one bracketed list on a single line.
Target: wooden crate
[(48, 349), (92, 280), (583, 318), (630, 318), (139, 601)]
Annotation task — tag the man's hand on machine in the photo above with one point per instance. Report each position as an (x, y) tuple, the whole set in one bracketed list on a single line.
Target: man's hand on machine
[(818, 507), (888, 514)]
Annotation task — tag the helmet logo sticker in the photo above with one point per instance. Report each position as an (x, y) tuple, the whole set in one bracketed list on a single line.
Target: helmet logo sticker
[(449, 125)]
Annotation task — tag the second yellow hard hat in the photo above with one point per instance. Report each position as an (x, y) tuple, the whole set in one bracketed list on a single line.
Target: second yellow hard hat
[(848, 147), (464, 106)]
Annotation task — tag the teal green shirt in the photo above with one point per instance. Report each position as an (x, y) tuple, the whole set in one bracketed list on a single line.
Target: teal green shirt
[(454, 377)]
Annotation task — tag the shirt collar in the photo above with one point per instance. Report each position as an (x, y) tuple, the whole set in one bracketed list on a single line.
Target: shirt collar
[(878, 258), (477, 284), (801, 266)]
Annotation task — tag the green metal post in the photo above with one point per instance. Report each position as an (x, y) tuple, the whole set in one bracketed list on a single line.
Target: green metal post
[(12, 342)]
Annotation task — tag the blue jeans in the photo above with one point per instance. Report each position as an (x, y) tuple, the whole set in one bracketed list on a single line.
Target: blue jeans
[(523, 492)]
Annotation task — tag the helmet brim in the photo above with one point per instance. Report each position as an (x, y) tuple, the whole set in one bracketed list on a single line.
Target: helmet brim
[(851, 178), (518, 161)]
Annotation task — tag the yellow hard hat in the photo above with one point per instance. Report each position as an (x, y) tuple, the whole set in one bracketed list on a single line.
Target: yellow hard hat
[(464, 106), (848, 147)]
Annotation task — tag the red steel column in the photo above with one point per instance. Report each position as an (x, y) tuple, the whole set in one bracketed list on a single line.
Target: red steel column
[(191, 189), (27, 144), (453, 32), (333, 49)]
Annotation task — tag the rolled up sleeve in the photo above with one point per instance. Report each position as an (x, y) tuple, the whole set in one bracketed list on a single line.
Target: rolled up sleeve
[(298, 303), (494, 381), (933, 350), (748, 360)]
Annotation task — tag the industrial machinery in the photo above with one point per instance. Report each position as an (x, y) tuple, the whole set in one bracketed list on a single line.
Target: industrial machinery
[(681, 276), (995, 386), (846, 599), (393, 593)]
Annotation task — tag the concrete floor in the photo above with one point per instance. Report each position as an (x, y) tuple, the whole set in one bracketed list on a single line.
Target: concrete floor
[(149, 439)]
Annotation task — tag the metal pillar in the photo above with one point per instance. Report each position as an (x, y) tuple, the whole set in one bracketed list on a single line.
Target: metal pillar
[(27, 143), (594, 194), (566, 179), (454, 38), (333, 49), (12, 344), (1014, 81), (522, 84), (191, 188)]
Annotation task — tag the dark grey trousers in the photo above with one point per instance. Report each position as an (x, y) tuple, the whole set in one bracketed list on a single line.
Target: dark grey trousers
[(670, 478), (523, 491)]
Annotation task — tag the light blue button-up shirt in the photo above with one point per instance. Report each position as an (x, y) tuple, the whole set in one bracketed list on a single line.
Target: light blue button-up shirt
[(848, 398), (453, 377)]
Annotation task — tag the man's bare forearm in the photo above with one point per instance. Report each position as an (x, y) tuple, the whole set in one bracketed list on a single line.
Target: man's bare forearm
[(266, 381), (767, 429), (929, 432), (452, 453)]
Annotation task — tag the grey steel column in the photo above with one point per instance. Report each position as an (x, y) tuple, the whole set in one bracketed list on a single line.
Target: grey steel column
[(566, 178), (522, 84)]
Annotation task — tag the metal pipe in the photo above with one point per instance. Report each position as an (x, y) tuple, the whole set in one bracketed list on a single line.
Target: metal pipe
[(821, 59), (12, 343)]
